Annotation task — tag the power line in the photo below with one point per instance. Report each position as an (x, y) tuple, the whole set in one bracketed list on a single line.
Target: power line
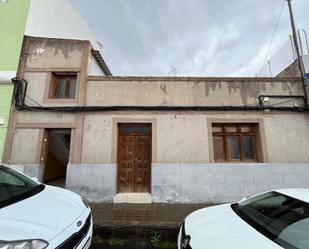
[(274, 32), (241, 66), (34, 101)]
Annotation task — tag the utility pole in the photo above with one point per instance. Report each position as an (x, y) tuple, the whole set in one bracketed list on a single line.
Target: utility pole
[(300, 61)]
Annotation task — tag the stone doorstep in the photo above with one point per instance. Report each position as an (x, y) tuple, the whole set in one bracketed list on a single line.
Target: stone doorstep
[(135, 198)]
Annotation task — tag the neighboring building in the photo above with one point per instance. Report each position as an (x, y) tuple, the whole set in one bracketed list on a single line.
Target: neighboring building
[(61, 20), (293, 70), (165, 139), (13, 16), (19, 18)]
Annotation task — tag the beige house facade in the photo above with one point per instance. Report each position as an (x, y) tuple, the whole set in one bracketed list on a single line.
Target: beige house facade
[(175, 139)]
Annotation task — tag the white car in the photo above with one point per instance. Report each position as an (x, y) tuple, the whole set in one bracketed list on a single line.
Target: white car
[(272, 220), (37, 216)]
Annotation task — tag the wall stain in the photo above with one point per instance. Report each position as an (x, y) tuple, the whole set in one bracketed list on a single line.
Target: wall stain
[(163, 88), (286, 87), (165, 103), (212, 85), (65, 47), (247, 90), (196, 83)]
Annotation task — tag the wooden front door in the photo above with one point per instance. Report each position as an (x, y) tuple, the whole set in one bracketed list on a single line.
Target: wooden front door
[(134, 157)]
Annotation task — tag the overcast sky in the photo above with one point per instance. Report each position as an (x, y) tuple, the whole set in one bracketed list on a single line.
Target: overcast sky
[(191, 37)]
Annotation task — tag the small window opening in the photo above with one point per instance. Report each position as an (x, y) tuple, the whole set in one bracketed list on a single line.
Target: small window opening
[(63, 86)]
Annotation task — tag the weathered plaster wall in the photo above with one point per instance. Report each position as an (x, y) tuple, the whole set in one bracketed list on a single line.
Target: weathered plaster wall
[(184, 137), (38, 90), (53, 53), (95, 182), (36, 86), (177, 137), (25, 146), (51, 118), (173, 135), (185, 92), (293, 69), (97, 139), (185, 183), (217, 183), (287, 137), (41, 57), (32, 170)]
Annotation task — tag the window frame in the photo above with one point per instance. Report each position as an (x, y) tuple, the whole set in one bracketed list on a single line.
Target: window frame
[(238, 133), (56, 77)]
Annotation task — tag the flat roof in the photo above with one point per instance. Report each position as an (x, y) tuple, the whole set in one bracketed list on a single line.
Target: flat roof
[(194, 79)]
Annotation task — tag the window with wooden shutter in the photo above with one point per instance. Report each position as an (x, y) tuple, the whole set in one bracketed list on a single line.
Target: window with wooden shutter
[(234, 142), (63, 86)]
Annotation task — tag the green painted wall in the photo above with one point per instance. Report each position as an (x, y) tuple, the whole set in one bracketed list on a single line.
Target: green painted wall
[(5, 103), (13, 18)]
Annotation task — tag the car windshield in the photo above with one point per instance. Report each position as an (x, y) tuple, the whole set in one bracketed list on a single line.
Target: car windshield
[(281, 218), (15, 187)]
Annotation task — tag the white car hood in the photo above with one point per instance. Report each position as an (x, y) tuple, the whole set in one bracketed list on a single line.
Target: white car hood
[(41, 216), (219, 227)]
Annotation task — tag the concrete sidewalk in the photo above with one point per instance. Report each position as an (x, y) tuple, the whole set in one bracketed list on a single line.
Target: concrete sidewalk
[(147, 215)]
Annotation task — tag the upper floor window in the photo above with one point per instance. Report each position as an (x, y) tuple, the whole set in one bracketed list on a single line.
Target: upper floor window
[(63, 86), (234, 142)]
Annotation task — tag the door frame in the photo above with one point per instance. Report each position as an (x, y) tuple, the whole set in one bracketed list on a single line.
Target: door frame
[(114, 138), (117, 154), (45, 145)]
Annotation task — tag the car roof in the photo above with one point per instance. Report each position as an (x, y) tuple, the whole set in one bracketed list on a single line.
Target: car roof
[(298, 193)]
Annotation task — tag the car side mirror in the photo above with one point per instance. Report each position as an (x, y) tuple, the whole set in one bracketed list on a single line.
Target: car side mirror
[(34, 179)]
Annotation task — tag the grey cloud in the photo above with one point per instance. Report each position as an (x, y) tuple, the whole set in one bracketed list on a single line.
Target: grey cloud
[(197, 37)]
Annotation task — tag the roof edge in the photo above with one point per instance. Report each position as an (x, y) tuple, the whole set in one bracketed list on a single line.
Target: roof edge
[(98, 57), (206, 79)]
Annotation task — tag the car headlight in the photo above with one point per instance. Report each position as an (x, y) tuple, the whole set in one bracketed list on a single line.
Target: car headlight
[(24, 244)]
